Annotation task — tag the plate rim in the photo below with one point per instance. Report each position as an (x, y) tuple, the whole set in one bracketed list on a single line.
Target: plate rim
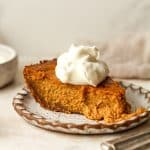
[(41, 121)]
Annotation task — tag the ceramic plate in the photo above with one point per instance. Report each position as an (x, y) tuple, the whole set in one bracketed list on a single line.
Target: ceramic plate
[(33, 113)]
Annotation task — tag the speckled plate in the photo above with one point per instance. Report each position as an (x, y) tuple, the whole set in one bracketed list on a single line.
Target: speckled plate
[(33, 113)]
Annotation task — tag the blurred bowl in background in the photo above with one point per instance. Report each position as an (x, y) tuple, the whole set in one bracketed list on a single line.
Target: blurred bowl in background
[(8, 65)]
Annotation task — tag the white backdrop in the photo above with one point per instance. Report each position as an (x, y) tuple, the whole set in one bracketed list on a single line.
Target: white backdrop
[(47, 27)]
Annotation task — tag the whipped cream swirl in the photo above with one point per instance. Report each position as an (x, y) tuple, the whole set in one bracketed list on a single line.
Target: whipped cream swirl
[(81, 65)]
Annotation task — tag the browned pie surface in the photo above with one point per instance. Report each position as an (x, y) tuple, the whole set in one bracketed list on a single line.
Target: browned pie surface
[(106, 101)]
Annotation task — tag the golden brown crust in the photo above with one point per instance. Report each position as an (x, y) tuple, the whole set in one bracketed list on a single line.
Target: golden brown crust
[(106, 101)]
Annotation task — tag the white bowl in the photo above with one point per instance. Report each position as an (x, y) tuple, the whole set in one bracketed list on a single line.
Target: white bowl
[(8, 65)]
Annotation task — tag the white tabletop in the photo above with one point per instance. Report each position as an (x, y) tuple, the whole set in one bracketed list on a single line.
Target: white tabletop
[(16, 134)]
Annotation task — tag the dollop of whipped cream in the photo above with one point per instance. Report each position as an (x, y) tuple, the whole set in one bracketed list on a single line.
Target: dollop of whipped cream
[(81, 65)]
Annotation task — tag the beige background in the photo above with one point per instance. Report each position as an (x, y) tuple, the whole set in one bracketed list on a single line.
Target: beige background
[(44, 28), (47, 27)]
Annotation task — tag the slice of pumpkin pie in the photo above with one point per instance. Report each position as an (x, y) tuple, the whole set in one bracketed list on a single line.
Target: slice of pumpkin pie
[(69, 87)]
